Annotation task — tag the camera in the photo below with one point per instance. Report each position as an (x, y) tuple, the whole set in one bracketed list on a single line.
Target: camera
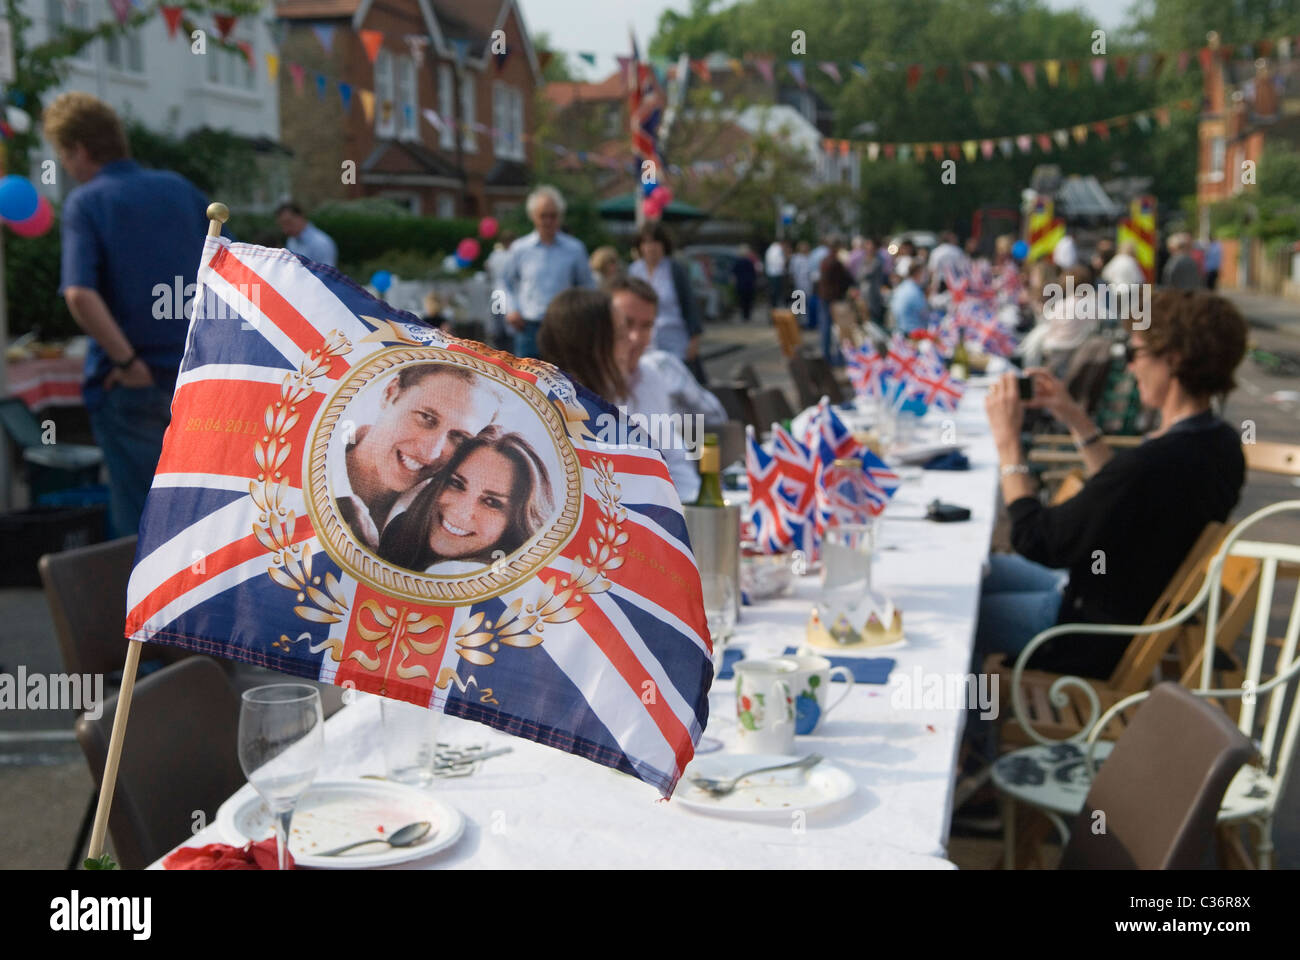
[(1026, 385)]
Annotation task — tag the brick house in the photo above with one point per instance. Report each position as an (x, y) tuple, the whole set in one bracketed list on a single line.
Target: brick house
[(477, 163)]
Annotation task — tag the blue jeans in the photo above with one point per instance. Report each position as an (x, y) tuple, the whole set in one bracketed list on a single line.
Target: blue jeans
[(525, 340), (129, 423), (1019, 599), (826, 327), (814, 311)]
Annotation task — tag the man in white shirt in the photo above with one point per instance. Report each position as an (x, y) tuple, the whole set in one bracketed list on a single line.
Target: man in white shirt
[(774, 267), (660, 383), (1123, 268), (304, 237), (426, 411), (946, 258)]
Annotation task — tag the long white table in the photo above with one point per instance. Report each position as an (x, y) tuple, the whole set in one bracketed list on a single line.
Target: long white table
[(538, 807)]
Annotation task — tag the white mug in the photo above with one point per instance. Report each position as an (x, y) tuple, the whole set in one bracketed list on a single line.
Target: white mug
[(765, 706), (811, 683)]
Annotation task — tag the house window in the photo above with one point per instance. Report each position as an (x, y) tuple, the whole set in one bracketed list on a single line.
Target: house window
[(468, 114), (124, 51), (408, 104), (1218, 150), (69, 13), (507, 122), (446, 94), (229, 68), (385, 106), (446, 205)]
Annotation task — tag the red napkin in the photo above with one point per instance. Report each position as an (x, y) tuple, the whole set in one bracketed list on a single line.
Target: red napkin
[(221, 856)]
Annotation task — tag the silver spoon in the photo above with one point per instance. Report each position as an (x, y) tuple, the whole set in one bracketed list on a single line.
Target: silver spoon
[(407, 836), (720, 788)]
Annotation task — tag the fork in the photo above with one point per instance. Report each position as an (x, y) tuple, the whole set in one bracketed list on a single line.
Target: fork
[(722, 787)]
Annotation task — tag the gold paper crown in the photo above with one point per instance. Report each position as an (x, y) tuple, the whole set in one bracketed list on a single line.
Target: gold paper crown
[(843, 634)]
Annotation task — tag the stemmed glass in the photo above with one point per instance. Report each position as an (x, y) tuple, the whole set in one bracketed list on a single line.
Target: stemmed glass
[(720, 611), (281, 737)]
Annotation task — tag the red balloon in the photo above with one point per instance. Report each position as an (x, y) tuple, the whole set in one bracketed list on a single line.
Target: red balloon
[(487, 228), (467, 249), (37, 223)]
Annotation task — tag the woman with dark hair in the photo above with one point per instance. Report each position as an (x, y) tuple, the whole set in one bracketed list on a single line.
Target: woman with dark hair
[(1127, 531), (492, 496), (578, 336), (677, 325)]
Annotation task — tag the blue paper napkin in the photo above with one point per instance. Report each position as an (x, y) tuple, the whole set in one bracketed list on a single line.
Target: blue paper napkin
[(730, 657), (864, 669), (952, 460)]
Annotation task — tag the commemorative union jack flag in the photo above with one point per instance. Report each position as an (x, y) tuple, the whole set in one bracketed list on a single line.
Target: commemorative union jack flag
[(775, 525), (872, 488), (935, 387), (798, 469), (307, 516), (865, 369)]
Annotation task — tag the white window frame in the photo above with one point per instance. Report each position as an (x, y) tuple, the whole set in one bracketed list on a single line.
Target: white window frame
[(232, 69), (507, 121), (446, 206), (408, 95), (385, 92), (56, 15), (446, 107), (129, 47), (468, 113)]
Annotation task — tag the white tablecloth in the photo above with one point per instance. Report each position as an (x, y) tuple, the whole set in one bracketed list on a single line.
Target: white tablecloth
[(538, 807)]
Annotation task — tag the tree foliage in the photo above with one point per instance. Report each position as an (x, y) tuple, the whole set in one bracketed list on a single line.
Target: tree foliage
[(898, 194)]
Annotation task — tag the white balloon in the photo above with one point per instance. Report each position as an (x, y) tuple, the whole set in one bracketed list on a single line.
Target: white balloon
[(19, 119)]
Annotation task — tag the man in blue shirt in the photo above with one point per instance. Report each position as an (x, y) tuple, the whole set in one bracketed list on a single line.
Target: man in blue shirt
[(908, 304), (131, 238), (304, 237), (541, 264)]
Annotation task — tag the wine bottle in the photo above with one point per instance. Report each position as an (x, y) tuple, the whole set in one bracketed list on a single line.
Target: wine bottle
[(710, 473), (960, 365)]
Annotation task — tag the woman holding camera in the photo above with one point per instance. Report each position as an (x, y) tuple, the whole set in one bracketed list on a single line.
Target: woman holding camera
[(1122, 536)]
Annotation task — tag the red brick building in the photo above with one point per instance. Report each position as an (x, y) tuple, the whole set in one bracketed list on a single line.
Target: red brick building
[(470, 62)]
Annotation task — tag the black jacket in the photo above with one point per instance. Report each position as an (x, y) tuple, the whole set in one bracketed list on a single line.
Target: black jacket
[(1126, 532)]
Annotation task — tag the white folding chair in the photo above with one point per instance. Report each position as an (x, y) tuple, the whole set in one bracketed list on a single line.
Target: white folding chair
[(1056, 780)]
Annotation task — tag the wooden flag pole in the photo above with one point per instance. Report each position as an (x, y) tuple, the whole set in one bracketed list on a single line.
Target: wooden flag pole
[(218, 214)]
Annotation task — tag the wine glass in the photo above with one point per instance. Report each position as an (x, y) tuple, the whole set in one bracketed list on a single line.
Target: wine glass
[(720, 612), (281, 737)]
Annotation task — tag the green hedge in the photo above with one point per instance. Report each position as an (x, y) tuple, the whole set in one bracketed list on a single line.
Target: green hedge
[(32, 286)]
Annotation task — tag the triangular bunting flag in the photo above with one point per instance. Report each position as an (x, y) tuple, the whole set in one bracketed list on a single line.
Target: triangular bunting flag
[(1053, 70), (969, 147), (831, 70), (1101, 129), (324, 35), (1080, 133), (272, 66), (297, 73), (1143, 65), (1072, 72), (986, 148), (246, 49), (1004, 69), (913, 75), (122, 10), (225, 23), (890, 151), (1044, 143), (796, 71), (1143, 121), (954, 151), (1062, 137), (873, 151), (462, 47), (1162, 116), (1121, 67), (1098, 66), (172, 17), (904, 151), (345, 95), (764, 67), (322, 82), (367, 104), (1006, 146), (1024, 142), (1029, 71), (859, 68), (372, 40), (981, 70), (701, 68)]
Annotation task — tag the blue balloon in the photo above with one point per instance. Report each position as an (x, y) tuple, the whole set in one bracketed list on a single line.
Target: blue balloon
[(381, 280), (18, 198), (648, 188), (462, 262), (1020, 250)]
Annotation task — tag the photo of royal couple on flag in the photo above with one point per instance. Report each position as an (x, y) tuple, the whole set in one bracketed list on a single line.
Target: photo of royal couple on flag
[(438, 469)]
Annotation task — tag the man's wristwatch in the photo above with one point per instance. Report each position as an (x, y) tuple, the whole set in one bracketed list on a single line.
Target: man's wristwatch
[(128, 361), (1007, 469), (1089, 440)]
